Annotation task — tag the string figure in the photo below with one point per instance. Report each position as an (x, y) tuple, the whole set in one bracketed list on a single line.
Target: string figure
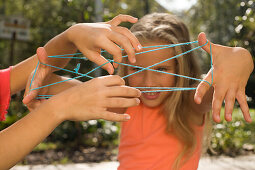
[(77, 67), (149, 89)]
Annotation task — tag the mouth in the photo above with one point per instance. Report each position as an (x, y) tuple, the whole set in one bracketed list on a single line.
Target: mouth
[(151, 95)]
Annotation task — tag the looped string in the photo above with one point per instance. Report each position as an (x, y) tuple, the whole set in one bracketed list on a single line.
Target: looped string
[(150, 89)]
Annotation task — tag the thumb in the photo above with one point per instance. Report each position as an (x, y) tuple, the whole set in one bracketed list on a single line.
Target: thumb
[(203, 87), (42, 55), (29, 95), (202, 41)]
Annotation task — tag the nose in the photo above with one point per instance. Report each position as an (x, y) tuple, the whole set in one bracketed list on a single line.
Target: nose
[(150, 79)]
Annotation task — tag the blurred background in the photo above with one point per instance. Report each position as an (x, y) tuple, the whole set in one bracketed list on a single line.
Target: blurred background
[(28, 24)]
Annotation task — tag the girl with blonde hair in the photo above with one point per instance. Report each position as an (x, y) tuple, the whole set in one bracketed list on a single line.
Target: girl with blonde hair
[(166, 129)]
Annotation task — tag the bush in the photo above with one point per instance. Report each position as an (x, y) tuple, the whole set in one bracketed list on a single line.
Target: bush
[(234, 137)]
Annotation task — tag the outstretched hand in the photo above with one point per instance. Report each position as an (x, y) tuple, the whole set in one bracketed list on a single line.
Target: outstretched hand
[(106, 35), (232, 67), (89, 38)]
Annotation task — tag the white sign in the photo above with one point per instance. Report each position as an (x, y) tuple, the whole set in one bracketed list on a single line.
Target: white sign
[(15, 25)]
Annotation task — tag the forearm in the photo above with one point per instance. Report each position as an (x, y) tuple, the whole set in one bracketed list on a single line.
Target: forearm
[(60, 44), (20, 73), (19, 139)]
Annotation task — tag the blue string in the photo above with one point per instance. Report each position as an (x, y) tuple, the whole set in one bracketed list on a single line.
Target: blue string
[(168, 60), (68, 70), (166, 45), (83, 75), (167, 90), (33, 75), (211, 62), (142, 69), (146, 68)]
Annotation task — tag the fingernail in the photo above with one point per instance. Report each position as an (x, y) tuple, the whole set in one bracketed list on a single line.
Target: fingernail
[(127, 117), (140, 47), (249, 118), (199, 100), (139, 93), (133, 60), (229, 117), (138, 101), (218, 117)]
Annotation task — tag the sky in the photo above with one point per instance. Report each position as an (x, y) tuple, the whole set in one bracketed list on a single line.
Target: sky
[(176, 5)]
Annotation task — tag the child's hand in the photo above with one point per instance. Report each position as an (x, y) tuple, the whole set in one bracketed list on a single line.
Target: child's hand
[(42, 73), (90, 100), (90, 38), (232, 67)]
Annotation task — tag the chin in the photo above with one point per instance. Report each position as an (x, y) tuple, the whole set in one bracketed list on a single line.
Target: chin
[(150, 103)]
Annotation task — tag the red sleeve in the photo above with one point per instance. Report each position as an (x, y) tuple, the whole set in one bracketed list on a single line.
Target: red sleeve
[(5, 94)]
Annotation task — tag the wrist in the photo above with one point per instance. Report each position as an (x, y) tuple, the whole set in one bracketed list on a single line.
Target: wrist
[(70, 34), (55, 110)]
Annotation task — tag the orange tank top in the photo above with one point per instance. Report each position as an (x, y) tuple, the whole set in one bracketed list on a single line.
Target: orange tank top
[(144, 143)]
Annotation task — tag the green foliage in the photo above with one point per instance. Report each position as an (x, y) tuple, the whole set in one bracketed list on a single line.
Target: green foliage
[(97, 133), (46, 146), (231, 138), (16, 112)]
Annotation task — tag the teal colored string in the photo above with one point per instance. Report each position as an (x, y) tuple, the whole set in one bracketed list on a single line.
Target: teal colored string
[(45, 95), (164, 89), (211, 62), (89, 72), (142, 68), (68, 70), (167, 90), (168, 60), (146, 68), (34, 75), (62, 55), (166, 45), (83, 75)]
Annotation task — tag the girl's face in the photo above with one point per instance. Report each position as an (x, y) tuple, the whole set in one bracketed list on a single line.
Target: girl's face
[(148, 78)]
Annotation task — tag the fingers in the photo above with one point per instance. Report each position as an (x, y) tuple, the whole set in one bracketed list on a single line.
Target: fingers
[(30, 95), (124, 91), (118, 102), (33, 104), (122, 18), (42, 55), (241, 98), (127, 46), (229, 104), (100, 60), (111, 116), (218, 96), (114, 80), (202, 88), (202, 41), (113, 49), (127, 33)]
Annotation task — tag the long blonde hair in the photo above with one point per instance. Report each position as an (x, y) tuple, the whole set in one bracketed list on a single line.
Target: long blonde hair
[(164, 27)]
